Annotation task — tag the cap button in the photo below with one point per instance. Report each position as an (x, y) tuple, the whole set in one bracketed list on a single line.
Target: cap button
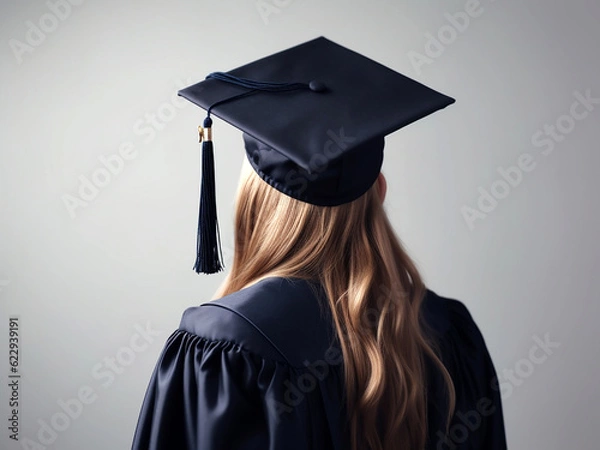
[(317, 86)]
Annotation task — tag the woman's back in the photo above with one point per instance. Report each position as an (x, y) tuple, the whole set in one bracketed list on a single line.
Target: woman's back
[(261, 368)]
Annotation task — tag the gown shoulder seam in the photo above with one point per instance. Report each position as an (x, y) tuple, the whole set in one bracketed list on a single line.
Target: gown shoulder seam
[(228, 342), (253, 325)]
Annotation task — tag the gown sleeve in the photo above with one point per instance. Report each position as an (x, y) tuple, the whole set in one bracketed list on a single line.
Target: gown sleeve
[(478, 421), (202, 395), (207, 394)]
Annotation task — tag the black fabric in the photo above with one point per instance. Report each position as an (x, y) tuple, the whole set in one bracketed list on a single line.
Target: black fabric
[(261, 369), (322, 146)]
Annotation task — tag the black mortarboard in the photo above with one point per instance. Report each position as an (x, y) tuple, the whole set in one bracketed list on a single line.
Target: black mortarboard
[(314, 118)]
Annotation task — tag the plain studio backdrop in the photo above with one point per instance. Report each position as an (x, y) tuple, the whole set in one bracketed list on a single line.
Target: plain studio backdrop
[(495, 197)]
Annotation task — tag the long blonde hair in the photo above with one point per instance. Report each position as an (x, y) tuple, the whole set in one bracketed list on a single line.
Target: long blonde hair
[(374, 291)]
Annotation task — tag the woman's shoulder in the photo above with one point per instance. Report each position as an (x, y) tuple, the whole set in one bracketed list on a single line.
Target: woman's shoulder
[(462, 345), (288, 320), (280, 319), (465, 355), (447, 315)]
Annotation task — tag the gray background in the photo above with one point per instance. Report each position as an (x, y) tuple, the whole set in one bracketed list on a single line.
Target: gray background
[(83, 283)]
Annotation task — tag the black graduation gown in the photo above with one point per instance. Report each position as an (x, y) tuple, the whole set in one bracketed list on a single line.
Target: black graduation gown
[(260, 369)]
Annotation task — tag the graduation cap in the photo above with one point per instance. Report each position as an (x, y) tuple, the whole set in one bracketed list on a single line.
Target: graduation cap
[(313, 118)]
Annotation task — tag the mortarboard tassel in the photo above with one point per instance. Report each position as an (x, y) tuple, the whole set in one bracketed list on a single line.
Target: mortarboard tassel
[(208, 245)]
